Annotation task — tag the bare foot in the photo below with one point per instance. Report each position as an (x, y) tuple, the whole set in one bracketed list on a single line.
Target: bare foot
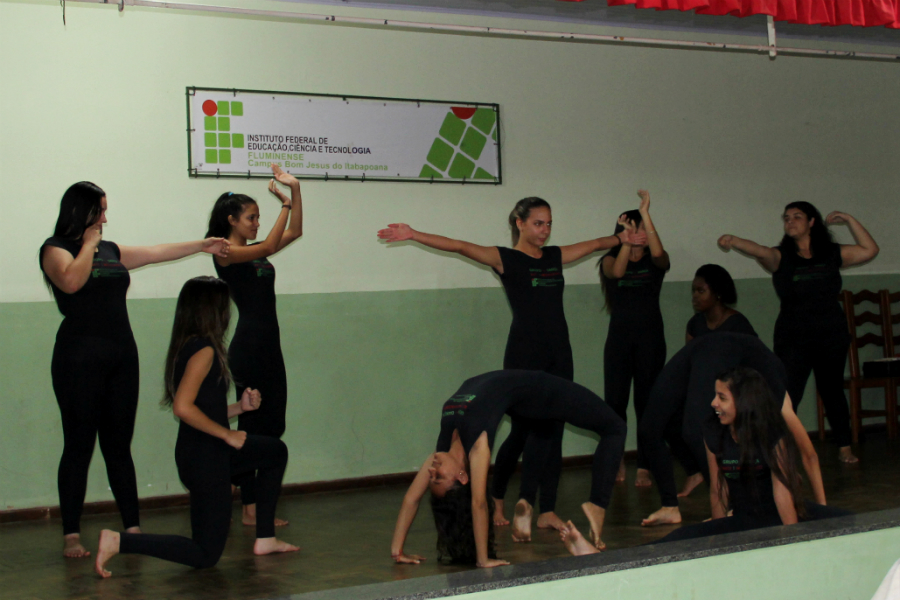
[(107, 547), (271, 546), (595, 515), (574, 541), (667, 515), (133, 530), (620, 476), (72, 547), (499, 519), (521, 528), (845, 455), (689, 484), (248, 516), (643, 478), (549, 520)]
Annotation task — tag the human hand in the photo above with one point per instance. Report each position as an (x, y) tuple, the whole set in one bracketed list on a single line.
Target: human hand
[(644, 195), (273, 189), (236, 439), (282, 177), (250, 400), (633, 237), (491, 563), (835, 217), (218, 246), (408, 559), (396, 232), (725, 242), (92, 235)]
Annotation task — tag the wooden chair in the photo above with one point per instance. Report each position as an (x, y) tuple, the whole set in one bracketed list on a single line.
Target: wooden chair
[(892, 340), (857, 382)]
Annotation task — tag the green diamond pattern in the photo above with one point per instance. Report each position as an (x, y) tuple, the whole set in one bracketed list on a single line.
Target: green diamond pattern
[(461, 167), (484, 119), (482, 174), (440, 153), (473, 143), (452, 128), (428, 173)]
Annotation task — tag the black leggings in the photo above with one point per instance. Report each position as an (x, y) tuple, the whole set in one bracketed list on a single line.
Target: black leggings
[(96, 382), (635, 353), (584, 409), (207, 474), (543, 473), (826, 358), (814, 512)]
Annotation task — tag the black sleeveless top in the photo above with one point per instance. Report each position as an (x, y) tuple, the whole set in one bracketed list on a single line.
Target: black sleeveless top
[(252, 287), (808, 289), (211, 397), (635, 296), (98, 309)]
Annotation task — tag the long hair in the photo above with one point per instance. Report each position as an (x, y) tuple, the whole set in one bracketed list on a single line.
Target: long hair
[(719, 281), (79, 208), (453, 520), (203, 311), (761, 434), (820, 238), (631, 215), (521, 211), (227, 205)]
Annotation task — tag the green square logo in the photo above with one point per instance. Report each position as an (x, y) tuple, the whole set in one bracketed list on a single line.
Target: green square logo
[(212, 157), (224, 124), (237, 140), (210, 140), (428, 173), (484, 119), (237, 109), (209, 123), (440, 154), (472, 144), (223, 109), (225, 157), (224, 140), (452, 128), (461, 167), (482, 174)]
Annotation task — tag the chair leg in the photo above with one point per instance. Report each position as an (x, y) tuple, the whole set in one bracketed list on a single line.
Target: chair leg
[(820, 413), (855, 421)]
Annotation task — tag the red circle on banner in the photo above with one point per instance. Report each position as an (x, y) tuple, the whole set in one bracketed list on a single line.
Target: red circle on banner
[(463, 112), (210, 108)]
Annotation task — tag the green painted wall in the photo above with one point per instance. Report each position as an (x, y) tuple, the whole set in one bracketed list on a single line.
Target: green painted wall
[(850, 567)]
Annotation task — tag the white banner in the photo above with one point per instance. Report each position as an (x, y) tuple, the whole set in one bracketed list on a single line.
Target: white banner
[(239, 133)]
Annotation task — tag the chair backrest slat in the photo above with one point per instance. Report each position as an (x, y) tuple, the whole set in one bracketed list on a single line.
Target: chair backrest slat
[(859, 340)]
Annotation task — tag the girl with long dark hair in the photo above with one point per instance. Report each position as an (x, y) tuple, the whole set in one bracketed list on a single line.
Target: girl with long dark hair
[(456, 474), (208, 452), (712, 295), (255, 352), (95, 367), (631, 276), (532, 277), (811, 330)]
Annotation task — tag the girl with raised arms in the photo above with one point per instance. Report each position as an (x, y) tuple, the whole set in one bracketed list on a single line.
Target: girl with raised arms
[(532, 277), (208, 452), (811, 330), (254, 355), (95, 368)]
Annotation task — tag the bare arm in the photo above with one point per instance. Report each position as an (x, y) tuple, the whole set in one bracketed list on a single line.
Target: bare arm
[(784, 500), (715, 498), (658, 254), (769, 258), (133, 257), (807, 451), (573, 252), (184, 405), (70, 273), (614, 266), (295, 225), (407, 515), (486, 255), (479, 462), (865, 248)]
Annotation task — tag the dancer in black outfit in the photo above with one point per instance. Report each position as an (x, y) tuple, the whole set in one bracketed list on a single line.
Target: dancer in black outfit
[(532, 278), (753, 464), (811, 330), (679, 405), (456, 473), (255, 352), (635, 349), (208, 453), (712, 294), (95, 360)]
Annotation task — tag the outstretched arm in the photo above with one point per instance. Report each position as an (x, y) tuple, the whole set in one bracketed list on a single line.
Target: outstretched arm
[(479, 462), (784, 500), (407, 515), (573, 252), (769, 258), (715, 496), (658, 254), (865, 248), (133, 257), (486, 255), (807, 451)]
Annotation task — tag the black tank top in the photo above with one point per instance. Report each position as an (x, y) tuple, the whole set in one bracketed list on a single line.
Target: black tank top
[(98, 309), (635, 296), (808, 289), (534, 288), (252, 286), (211, 397)]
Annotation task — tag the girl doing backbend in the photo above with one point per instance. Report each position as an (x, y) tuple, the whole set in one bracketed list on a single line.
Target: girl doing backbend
[(95, 367), (254, 355), (532, 278), (811, 330), (456, 474), (208, 452)]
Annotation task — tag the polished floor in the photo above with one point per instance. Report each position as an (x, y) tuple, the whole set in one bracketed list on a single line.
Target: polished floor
[(345, 538)]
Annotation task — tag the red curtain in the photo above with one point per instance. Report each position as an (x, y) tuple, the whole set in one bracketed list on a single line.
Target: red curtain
[(861, 13)]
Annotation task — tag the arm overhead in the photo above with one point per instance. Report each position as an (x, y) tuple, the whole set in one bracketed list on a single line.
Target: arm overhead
[(657, 253), (865, 248)]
